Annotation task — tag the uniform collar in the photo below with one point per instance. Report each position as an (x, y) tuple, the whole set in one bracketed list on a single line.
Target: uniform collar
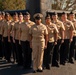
[(55, 21), (20, 22), (28, 22)]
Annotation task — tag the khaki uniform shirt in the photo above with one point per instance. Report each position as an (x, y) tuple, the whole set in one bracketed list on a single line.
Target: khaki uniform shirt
[(29, 23), (5, 28), (68, 27), (24, 30), (1, 24), (52, 30), (16, 29), (11, 26), (60, 28), (74, 23), (38, 32)]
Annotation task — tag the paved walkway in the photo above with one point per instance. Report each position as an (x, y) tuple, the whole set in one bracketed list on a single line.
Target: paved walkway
[(13, 69)]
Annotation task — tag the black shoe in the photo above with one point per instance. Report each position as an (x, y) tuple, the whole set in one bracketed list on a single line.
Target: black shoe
[(71, 62), (8, 61), (48, 67), (62, 63), (44, 68), (55, 65), (39, 70), (34, 71)]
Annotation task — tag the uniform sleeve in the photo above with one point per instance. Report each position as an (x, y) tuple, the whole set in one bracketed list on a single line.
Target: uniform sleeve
[(62, 26), (3, 25), (45, 31), (30, 30), (20, 28), (72, 26), (56, 30), (10, 26), (13, 28), (33, 23)]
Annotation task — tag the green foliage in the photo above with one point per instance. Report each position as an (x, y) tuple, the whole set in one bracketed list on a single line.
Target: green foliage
[(1, 4), (13, 4)]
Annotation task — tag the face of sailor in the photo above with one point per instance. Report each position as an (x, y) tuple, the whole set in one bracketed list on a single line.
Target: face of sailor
[(20, 18), (37, 21), (15, 17), (71, 16), (47, 20), (64, 17), (8, 17), (26, 17), (54, 17)]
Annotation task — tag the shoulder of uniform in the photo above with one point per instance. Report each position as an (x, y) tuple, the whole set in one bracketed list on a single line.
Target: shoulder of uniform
[(33, 25), (32, 22), (12, 22), (60, 21), (53, 24), (70, 21), (44, 26)]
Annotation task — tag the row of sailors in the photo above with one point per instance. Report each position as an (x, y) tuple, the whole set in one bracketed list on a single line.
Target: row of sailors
[(52, 43)]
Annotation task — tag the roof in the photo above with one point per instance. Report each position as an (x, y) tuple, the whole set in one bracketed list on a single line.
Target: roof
[(11, 12), (58, 12)]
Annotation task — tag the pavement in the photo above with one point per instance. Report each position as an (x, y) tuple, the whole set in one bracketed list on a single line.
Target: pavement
[(14, 69)]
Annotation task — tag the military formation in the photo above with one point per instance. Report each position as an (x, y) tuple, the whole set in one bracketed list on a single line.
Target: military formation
[(35, 45)]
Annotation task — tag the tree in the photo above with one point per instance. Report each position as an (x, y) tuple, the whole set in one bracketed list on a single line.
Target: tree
[(1, 4), (64, 4), (13, 4)]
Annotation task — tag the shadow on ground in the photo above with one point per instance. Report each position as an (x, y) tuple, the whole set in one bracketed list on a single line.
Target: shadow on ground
[(12, 69)]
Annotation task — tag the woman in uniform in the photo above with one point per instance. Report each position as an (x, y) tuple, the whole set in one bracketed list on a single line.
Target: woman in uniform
[(10, 33), (24, 38), (5, 37), (38, 41), (57, 49), (68, 37), (73, 44), (16, 37), (52, 40), (1, 53)]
